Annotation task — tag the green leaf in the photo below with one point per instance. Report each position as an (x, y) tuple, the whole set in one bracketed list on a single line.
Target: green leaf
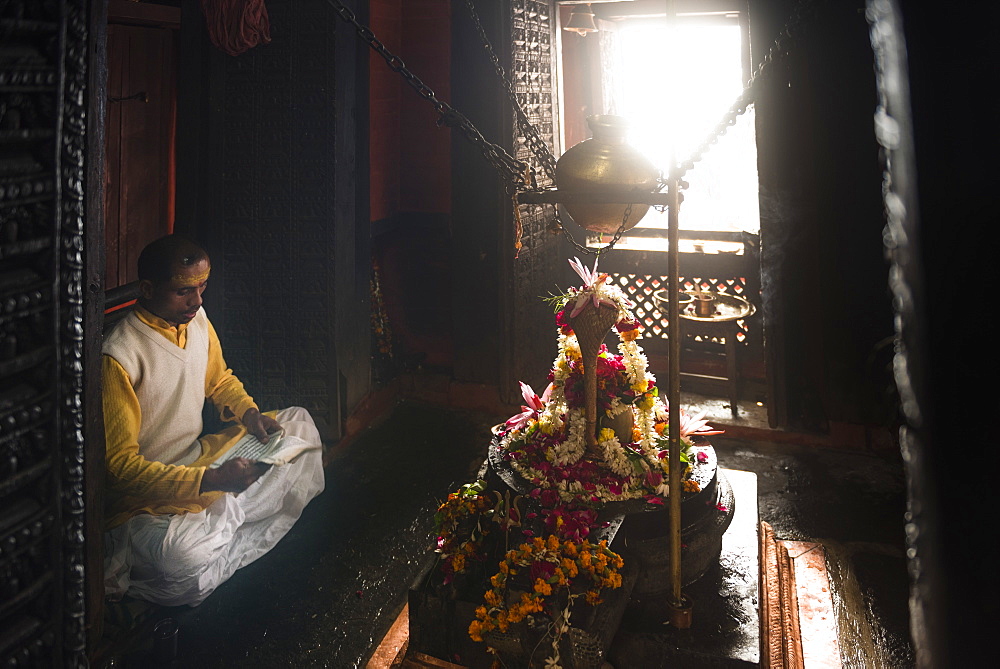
[(636, 462)]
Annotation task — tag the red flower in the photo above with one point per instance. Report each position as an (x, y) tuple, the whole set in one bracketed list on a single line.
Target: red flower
[(542, 570)]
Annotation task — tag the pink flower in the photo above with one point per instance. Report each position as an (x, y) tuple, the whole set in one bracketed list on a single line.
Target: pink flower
[(653, 499), (589, 276), (702, 457), (591, 282), (721, 507), (696, 425), (534, 405)]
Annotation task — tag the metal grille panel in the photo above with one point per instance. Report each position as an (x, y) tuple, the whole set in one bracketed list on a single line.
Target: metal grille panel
[(278, 242), (533, 272)]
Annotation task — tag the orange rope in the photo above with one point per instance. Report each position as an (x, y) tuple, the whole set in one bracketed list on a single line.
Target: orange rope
[(236, 25)]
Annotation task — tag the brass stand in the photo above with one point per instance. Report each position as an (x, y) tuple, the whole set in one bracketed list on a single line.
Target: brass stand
[(678, 606)]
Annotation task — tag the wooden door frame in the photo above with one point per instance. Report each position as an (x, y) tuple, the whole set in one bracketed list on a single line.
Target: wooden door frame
[(93, 319)]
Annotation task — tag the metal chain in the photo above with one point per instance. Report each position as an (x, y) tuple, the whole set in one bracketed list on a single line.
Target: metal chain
[(803, 9), (519, 175), (587, 249), (515, 173), (539, 148)]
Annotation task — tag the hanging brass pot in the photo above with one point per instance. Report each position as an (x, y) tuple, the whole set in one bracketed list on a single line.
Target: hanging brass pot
[(605, 164)]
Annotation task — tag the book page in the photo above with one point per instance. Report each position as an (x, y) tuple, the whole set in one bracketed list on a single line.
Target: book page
[(277, 450)]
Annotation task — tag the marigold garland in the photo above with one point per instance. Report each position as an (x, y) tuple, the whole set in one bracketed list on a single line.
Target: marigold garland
[(553, 566), (467, 502)]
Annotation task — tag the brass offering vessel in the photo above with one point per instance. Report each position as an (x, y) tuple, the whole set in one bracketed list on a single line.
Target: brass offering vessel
[(605, 164)]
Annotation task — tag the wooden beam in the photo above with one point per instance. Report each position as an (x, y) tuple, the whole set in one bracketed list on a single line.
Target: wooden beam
[(143, 14)]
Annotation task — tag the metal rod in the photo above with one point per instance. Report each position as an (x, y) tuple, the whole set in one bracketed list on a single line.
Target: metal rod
[(554, 196), (673, 395)]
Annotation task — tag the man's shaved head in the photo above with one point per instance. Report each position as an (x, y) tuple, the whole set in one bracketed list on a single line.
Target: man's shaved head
[(159, 260)]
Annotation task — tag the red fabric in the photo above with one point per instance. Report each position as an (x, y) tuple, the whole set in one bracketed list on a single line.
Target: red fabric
[(236, 25)]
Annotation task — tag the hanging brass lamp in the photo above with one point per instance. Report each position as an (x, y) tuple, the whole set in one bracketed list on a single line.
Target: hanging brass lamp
[(606, 165), (581, 21)]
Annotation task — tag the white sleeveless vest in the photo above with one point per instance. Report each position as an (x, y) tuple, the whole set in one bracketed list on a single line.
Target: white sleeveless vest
[(169, 382)]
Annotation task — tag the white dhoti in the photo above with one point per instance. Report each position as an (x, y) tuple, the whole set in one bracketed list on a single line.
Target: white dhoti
[(181, 559)]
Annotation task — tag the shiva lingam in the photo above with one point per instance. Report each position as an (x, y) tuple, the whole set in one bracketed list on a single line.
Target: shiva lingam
[(591, 326)]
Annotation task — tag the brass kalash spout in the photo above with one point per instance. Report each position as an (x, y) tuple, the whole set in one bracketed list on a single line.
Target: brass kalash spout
[(606, 165)]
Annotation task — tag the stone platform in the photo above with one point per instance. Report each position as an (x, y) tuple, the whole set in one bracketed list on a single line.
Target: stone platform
[(725, 630)]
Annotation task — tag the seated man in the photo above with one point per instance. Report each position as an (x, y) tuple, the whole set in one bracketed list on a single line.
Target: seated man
[(177, 528)]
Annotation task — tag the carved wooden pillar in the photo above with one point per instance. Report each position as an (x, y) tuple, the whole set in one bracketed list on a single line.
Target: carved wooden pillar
[(43, 86)]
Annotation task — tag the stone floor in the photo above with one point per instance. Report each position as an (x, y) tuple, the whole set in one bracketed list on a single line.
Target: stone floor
[(326, 595)]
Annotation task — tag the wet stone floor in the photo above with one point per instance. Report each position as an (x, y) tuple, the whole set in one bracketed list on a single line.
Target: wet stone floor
[(328, 592)]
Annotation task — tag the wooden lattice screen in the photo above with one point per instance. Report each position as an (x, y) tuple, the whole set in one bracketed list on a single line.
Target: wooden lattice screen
[(641, 287), (43, 86)]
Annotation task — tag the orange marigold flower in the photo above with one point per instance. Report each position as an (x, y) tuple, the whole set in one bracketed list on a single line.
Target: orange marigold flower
[(630, 335), (476, 630), (481, 612), (542, 587), (593, 597), (553, 542)]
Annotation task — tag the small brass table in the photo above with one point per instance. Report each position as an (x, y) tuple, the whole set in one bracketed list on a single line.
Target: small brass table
[(723, 323)]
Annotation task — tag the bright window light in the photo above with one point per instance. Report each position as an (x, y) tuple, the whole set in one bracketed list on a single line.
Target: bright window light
[(676, 85)]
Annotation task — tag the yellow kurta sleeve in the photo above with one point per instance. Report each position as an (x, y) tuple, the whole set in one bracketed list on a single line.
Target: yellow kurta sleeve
[(221, 385), (135, 484)]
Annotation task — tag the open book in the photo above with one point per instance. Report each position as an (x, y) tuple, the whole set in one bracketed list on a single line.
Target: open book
[(279, 449)]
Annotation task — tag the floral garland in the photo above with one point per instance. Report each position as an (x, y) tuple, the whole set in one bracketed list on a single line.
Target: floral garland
[(546, 443), (554, 567), (457, 548)]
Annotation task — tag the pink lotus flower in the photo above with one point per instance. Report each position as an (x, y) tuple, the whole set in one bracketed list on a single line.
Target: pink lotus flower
[(591, 283), (696, 425), (589, 276), (529, 411)]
